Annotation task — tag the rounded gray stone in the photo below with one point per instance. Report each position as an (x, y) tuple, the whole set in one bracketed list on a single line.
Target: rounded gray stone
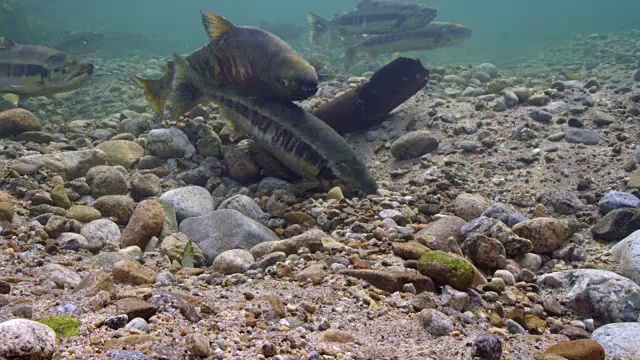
[(26, 339)]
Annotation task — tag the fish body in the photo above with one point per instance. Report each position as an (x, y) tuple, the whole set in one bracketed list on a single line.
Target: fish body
[(434, 35), (250, 60), (80, 42), (373, 17), (31, 70), (286, 32), (297, 138)]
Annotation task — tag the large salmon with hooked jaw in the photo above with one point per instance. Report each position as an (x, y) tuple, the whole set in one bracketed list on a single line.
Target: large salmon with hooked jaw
[(251, 61)]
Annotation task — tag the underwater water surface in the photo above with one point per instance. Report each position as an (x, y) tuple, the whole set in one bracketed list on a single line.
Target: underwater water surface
[(502, 29)]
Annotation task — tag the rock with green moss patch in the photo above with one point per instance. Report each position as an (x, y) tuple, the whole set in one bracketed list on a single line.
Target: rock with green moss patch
[(64, 326), (170, 219), (447, 269)]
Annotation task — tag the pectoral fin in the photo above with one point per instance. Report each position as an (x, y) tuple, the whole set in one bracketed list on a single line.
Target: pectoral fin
[(232, 122)]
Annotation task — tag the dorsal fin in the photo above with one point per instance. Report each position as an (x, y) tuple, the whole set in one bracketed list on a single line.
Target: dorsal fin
[(6, 43), (215, 25)]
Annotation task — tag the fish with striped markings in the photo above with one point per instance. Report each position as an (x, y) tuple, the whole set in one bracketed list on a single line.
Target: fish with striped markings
[(298, 139), (32, 70)]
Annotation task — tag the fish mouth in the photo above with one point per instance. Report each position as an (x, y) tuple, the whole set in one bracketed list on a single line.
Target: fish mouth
[(305, 91)]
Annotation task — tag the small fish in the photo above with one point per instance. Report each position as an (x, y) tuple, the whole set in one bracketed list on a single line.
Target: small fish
[(32, 70), (373, 17), (80, 42), (434, 35), (297, 138), (250, 60)]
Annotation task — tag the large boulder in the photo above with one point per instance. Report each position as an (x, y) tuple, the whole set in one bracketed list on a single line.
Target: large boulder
[(598, 294), (223, 230), (189, 201)]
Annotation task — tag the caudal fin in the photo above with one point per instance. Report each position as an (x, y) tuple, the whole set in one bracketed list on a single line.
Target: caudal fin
[(157, 91), (319, 26)]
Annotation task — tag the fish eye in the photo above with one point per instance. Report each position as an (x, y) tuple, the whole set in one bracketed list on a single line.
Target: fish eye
[(284, 82)]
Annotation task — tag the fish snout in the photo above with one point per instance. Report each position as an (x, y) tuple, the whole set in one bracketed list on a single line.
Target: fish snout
[(307, 89)]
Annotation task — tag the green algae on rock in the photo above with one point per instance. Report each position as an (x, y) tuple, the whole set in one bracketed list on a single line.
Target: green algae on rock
[(446, 269), (64, 326)]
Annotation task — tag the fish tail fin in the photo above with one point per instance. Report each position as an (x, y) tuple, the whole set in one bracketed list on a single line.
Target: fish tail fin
[(156, 91), (186, 92), (349, 56), (319, 26)]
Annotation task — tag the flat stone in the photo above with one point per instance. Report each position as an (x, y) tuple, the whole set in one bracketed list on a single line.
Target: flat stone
[(391, 281), (134, 308)]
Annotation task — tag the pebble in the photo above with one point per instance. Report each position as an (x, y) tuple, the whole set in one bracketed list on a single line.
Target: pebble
[(169, 143), (413, 145), (138, 325), (487, 346), (435, 322), (233, 261)]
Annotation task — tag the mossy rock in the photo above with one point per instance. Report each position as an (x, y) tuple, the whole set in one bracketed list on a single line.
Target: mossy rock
[(63, 326), (447, 269), (170, 220)]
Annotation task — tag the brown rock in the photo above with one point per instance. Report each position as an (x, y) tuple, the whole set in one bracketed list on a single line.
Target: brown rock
[(59, 197), (118, 207), (83, 213), (146, 222), (128, 342), (298, 217), (311, 239), (392, 281), (240, 166), (314, 273), (135, 307), (130, 272), (469, 206), (198, 345), (121, 152), (16, 121), (93, 283), (6, 211), (336, 336), (546, 234), (534, 324), (411, 250), (583, 349)]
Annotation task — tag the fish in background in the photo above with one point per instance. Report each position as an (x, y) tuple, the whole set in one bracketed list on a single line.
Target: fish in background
[(103, 42), (432, 36), (33, 70), (250, 60), (80, 42), (372, 17), (298, 139), (286, 32)]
